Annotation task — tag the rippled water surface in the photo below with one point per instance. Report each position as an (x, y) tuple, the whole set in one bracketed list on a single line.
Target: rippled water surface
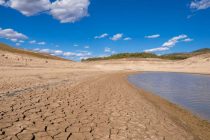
[(191, 91)]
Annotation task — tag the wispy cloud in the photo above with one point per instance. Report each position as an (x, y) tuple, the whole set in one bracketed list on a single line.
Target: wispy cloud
[(17, 44), (188, 40), (171, 43), (12, 35), (37, 43), (58, 52), (74, 55), (117, 37), (2, 2), (87, 47), (200, 4), (101, 36), (41, 43), (152, 36), (107, 49), (157, 49), (127, 38), (66, 11)]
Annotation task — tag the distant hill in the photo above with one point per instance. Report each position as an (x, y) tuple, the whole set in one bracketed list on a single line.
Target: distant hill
[(174, 56), (4, 47), (204, 50), (181, 56), (124, 55)]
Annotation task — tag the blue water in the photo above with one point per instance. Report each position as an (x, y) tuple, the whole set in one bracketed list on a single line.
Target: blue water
[(191, 91)]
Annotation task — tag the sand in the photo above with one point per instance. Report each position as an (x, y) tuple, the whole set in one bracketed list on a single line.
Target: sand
[(68, 100)]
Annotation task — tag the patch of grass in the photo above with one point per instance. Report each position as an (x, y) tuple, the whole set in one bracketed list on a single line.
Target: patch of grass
[(177, 56), (7, 48), (123, 55)]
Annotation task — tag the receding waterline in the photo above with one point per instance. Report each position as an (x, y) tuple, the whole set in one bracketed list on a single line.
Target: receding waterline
[(191, 91)]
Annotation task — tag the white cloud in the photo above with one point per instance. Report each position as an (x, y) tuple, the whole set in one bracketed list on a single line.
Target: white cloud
[(76, 45), (41, 43), (37, 43), (171, 43), (117, 37), (83, 54), (127, 39), (14, 40), (200, 5), (113, 52), (101, 36), (2, 2), (153, 36), (188, 40), (69, 10), (36, 49), (17, 44), (21, 41), (29, 7), (174, 40), (32, 42), (12, 35), (157, 49), (45, 50), (68, 54), (79, 54), (58, 52), (87, 47), (66, 11), (107, 50)]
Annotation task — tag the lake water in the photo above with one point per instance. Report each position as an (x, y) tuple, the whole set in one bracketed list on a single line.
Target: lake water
[(191, 91)]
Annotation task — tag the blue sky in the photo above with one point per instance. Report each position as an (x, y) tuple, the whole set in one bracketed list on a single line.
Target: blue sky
[(78, 29)]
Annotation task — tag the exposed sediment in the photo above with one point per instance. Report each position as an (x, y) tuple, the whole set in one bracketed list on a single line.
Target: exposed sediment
[(50, 99), (103, 106)]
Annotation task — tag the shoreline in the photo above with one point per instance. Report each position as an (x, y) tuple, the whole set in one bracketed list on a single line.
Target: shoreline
[(179, 114), (193, 73)]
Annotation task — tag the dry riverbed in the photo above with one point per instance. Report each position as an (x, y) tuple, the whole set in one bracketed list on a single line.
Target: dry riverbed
[(67, 100), (88, 105)]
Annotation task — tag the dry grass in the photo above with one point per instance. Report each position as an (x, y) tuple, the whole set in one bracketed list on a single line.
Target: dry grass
[(4, 47)]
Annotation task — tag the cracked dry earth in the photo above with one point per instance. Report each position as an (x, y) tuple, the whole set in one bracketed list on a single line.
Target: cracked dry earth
[(99, 107)]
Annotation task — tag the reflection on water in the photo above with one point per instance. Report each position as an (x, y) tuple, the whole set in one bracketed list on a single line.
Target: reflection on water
[(191, 91)]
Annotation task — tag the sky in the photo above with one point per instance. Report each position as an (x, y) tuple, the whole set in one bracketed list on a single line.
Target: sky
[(79, 29)]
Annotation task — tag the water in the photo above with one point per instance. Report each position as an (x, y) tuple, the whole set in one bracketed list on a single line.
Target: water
[(191, 91)]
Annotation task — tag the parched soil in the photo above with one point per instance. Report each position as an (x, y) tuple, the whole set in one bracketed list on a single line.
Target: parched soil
[(100, 106)]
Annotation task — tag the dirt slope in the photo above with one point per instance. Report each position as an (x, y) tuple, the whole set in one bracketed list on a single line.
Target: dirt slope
[(10, 56)]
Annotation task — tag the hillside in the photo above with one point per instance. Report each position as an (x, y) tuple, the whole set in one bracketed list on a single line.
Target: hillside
[(174, 56), (6, 48), (124, 55)]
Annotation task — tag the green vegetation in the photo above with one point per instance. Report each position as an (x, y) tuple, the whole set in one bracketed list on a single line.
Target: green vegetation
[(124, 55), (204, 50), (7, 48), (174, 56)]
